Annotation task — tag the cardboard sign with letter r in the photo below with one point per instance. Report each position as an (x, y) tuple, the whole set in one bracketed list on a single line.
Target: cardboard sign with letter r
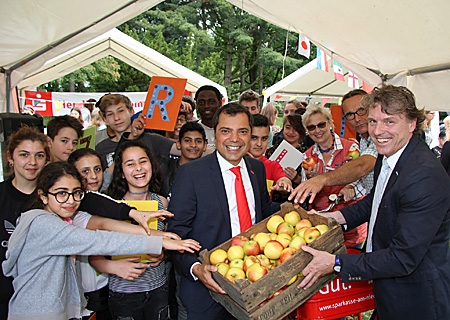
[(163, 102)]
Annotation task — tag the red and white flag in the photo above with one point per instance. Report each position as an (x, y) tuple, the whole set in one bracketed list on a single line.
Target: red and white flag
[(338, 71), (367, 87), (353, 81), (304, 46), (322, 60)]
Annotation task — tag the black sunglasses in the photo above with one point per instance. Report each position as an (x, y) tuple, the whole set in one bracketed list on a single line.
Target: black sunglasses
[(313, 127), (351, 115)]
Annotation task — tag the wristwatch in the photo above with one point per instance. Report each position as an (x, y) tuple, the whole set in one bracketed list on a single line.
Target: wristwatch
[(337, 264)]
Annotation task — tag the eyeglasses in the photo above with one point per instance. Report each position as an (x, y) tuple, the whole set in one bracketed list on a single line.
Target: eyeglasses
[(313, 127), (181, 120), (351, 115), (63, 196)]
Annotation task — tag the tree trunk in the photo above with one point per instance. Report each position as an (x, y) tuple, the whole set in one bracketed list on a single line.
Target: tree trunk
[(228, 63)]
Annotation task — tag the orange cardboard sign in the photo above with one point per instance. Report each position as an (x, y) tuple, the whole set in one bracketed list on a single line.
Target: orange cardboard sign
[(162, 103)]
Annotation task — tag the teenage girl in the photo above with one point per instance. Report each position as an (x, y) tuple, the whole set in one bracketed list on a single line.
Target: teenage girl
[(41, 249), (136, 176)]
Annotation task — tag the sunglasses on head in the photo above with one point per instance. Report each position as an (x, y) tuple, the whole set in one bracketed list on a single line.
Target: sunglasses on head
[(313, 127)]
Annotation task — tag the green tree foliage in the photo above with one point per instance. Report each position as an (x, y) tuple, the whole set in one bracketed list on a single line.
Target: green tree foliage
[(213, 38)]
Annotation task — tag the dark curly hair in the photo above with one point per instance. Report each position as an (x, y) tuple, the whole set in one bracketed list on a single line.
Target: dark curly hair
[(119, 185)]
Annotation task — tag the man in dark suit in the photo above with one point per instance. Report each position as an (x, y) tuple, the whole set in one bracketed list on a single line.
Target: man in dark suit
[(204, 206), (407, 253)]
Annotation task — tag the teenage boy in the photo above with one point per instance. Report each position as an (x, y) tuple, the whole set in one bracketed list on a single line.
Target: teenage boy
[(259, 142), (63, 133), (116, 110)]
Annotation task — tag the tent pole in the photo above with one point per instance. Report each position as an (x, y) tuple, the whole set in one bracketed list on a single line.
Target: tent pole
[(8, 89)]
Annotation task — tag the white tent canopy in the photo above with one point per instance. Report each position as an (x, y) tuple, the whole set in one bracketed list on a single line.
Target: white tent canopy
[(308, 82), (123, 47), (405, 39), (35, 31)]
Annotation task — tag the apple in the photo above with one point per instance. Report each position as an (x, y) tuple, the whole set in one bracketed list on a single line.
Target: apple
[(322, 228), (297, 242), (301, 232), (251, 248), (235, 252), (248, 262), (222, 268), (273, 249), (234, 274), (255, 272), (237, 263), (275, 262), (354, 153), (309, 163), (286, 227), (238, 240), (273, 223), (263, 260), (304, 223), (217, 256), (311, 234), (284, 239), (277, 292), (292, 280), (292, 217), (273, 236), (270, 267), (286, 254), (261, 238)]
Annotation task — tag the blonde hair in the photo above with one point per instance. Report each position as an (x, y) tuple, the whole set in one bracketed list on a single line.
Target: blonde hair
[(316, 109)]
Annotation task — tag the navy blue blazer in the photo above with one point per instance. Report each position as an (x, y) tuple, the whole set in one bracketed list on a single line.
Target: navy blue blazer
[(200, 207), (410, 262)]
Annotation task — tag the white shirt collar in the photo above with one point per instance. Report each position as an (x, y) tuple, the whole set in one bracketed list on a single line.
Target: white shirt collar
[(225, 165), (392, 160)]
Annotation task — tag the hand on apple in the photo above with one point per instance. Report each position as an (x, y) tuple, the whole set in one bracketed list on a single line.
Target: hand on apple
[(311, 172), (321, 264), (203, 273)]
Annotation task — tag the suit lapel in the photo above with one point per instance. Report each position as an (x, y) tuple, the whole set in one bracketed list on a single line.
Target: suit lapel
[(255, 187)]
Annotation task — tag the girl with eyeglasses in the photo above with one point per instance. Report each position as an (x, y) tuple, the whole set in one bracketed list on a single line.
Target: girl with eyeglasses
[(41, 250), (329, 152)]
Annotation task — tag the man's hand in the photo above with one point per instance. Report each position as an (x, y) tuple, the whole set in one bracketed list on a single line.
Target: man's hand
[(309, 187), (336, 215), (348, 192), (203, 273), (282, 185), (321, 264)]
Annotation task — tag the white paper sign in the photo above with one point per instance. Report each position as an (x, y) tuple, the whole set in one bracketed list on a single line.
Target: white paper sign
[(287, 156)]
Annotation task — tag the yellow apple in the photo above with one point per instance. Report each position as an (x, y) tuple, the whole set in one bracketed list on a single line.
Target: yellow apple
[(322, 228), (292, 217), (284, 239), (304, 223), (263, 260), (292, 280), (273, 236), (297, 242), (273, 249), (217, 256), (237, 263), (255, 272), (248, 261), (286, 254), (311, 234), (354, 153), (301, 232), (273, 223), (262, 238), (235, 252), (285, 227), (222, 268), (235, 273)]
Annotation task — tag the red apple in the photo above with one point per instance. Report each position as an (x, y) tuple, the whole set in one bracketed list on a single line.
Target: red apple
[(273, 223), (354, 153), (273, 249), (285, 227), (311, 234), (235, 273), (286, 254), (238, 240), (309, 163), (251, 248), (263, 260), (217, 256), (248, 261), (255, 272), (235, 252)]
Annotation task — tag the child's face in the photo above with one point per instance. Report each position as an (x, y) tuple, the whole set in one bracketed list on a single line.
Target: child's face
[(259, 141), (64, 143), (29, 158), (192, 145), (64, 209), (90, 169), (137, 168), (118, 117)]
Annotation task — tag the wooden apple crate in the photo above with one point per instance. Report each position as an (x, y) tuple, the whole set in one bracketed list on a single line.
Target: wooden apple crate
[(243, 298)]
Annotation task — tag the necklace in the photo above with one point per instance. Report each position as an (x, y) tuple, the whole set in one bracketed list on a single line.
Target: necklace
[(326, 150), (137, 193)]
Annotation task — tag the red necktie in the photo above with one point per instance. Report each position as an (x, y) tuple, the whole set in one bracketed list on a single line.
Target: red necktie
[(245, 219)]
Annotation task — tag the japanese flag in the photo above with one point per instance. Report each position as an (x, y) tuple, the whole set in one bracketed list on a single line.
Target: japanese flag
[(304, 47)]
